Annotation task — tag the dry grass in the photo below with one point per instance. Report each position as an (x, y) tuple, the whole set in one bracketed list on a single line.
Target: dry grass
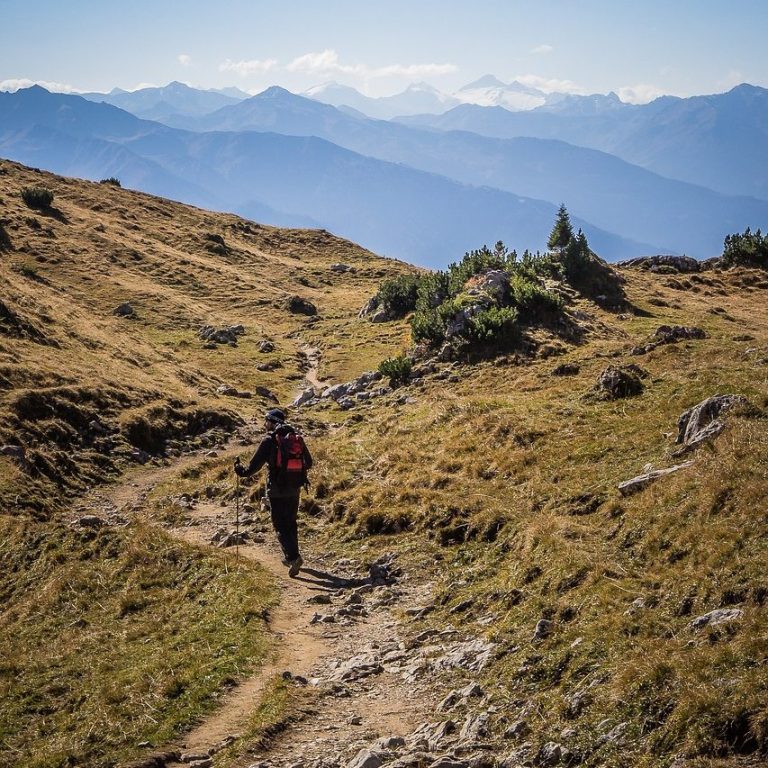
[(505, 478)]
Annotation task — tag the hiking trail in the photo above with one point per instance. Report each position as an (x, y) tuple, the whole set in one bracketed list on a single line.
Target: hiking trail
[(338, 635)]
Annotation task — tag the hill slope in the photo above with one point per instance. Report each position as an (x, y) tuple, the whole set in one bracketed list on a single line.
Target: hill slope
[(496, 479)]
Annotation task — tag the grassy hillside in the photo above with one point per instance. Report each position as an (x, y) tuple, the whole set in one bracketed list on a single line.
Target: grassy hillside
[(114, 636), (499, 477)]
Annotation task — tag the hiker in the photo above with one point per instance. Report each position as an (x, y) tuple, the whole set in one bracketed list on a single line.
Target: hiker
[(284, 452)]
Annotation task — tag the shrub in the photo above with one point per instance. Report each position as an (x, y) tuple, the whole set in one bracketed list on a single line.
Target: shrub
[(398, 296), (533, 299), (37, 197), (397, 369), (495, 327), (749, 249), (427, 325), (112, 180)]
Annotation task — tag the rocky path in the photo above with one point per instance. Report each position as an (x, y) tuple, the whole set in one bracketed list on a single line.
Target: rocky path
[(346, 633)]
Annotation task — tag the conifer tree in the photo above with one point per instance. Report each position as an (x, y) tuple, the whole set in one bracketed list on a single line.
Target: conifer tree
[(562, 232)]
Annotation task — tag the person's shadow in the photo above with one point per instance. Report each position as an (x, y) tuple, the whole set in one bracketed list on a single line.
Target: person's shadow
[(328, 582)]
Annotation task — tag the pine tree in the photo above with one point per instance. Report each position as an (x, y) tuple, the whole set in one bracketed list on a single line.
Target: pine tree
[(562, 232)]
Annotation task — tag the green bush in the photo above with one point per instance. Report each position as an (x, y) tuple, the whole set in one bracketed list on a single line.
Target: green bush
[(749, 250), (37, 197), (111, 180), (532, 299), (495, 327), (396, 369), (427, 325), (398, 296)]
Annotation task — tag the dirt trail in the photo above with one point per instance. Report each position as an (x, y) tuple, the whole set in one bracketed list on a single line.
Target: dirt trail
[(329, 624), (312, 354)]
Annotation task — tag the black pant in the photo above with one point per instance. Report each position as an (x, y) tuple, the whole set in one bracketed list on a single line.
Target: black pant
[(284, 510)]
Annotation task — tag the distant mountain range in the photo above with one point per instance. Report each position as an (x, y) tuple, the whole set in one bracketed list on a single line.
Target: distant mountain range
[(601, 188), (393, 209), (417, 188), (718, 141)]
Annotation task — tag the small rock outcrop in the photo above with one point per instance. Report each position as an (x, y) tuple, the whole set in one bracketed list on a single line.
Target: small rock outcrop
[(226, 335), (616, 382), (670, 334), (300, 306), (663, 263), (703, 422), (124, 310), (628, 487)]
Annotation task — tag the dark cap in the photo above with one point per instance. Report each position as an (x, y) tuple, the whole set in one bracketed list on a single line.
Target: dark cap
[(276, 415)]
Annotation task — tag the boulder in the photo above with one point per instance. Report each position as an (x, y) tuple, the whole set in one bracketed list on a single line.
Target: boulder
[(369, 307), (670, 334), (305, 397), (620, 381), (266, 346), (266, 393), (494, 284), (123, 310), (702, 422), (365, 759), (218, 335), (341, 268), (300, 306)]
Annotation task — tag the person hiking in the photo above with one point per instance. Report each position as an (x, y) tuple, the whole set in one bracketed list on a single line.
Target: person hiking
[(283, 450)]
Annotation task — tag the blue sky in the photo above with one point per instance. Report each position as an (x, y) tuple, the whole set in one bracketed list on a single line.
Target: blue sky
[(639, 49)]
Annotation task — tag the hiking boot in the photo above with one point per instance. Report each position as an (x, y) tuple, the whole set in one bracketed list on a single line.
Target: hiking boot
[(295, 567), (286, 561)]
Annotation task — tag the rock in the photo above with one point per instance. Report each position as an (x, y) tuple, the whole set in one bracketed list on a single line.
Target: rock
[(670, 334), (365, 759), (266, 393), (226, 389), (191, 757), (266, 346), (518, 730), (299, 306), (320, 599), (341, 268), (628, 487), (305, 397), (447, 761), (662, 263), (124, 310), (620, 381), (218, 336), (18, 452), (388, 743), (701, 422), (234, 539), (206, 762), (550, 754), (566, 369), (543, 629), (345, 403), (494, 284), (380, 316), (473, 655), (357, 668), (475, 727), (91, 521), (719, 616), (139, 456), (238, 329)]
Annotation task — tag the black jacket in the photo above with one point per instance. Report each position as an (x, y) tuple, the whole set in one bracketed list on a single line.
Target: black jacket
[(265, 454)]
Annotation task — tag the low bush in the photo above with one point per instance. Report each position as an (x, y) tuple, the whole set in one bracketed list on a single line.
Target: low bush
[(398, 296), (37, 197), (112, 181), (396, 369)]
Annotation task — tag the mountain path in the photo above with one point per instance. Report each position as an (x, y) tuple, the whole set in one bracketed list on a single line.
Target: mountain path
[(335, 646)]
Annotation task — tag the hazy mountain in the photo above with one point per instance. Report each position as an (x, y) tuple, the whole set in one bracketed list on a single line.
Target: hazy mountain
[(174, 98), (418, 98), (393, 209), (601, 188), (718, 141), (489, 91)]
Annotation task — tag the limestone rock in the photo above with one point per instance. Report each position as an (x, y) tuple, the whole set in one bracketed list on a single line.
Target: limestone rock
[(620, 381), (628, 487), (365, 759), (719, 616), (702, 422)]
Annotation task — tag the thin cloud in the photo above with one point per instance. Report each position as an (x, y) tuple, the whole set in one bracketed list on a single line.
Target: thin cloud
[(550, 85), (327, 62), (250, 67), (184, 59), (15, 84), (642, 93), (544, 48)]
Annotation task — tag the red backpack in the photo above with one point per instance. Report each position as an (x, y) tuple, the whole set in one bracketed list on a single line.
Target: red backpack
[(290, 468)]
